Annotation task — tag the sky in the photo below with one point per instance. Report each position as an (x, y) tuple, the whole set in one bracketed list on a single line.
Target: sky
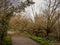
[(35, 8), (38, 4), (32, 9)]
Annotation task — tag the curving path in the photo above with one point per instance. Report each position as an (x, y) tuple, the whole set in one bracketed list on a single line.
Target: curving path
[(16, 40), (20, 40)]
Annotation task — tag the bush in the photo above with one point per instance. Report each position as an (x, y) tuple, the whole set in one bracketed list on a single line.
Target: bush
[(8, 40)]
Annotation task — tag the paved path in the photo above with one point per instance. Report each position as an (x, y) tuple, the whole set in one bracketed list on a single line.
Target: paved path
[(16, 40)]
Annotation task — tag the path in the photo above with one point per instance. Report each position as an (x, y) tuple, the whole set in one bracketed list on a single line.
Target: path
[(16, 40), (58, 43), (20, 40)]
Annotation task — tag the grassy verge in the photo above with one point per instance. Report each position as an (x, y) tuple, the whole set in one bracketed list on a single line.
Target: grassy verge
[(8, 40), (42, 40)]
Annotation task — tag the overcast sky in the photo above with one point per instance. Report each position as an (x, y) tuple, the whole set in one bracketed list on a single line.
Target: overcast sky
[(37, 8), (32, 9)]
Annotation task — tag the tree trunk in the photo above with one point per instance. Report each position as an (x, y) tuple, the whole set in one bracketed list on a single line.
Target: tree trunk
[(3, 30)]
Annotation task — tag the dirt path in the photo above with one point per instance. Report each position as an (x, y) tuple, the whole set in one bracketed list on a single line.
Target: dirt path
[(20, 40), (16, 40), (58, 43)]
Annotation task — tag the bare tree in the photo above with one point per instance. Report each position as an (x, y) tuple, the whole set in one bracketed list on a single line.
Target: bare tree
[(51, 14)]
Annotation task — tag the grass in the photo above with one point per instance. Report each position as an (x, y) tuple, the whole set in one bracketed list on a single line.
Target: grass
[(42, 40), (8, 40)]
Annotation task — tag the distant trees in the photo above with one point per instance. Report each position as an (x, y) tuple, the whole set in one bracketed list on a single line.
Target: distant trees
[(25, 25), (37, 28), (45, 25)]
